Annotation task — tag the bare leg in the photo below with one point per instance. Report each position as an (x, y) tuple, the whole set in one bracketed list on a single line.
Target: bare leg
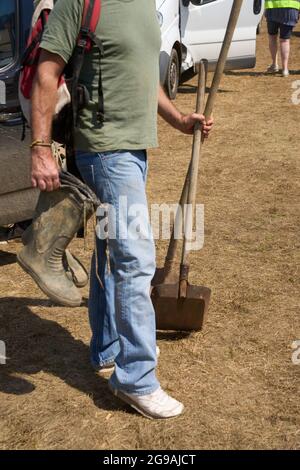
[(273, 45), (285, 53)]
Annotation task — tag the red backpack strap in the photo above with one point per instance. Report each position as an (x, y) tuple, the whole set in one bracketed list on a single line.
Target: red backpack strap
[(90, 18), (30, 58), (31, 53)]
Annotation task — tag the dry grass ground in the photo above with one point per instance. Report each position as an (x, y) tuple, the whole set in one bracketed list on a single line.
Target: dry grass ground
[(235, 378)]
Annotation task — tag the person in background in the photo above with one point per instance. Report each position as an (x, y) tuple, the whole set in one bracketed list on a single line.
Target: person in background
[(282, 16)]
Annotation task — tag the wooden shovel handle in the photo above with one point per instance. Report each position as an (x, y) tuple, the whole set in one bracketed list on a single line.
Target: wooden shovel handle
[(177, 226), (197, 143), (237, 4), (194, 169), (170, 257), (233, 19)]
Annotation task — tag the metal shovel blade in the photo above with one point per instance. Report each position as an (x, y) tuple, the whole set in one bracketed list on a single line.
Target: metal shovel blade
[(173, 313)]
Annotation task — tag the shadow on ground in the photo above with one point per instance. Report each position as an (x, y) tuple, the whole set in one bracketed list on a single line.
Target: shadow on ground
[(258, 74), (7, 258), (35, 344), (171, 335), (187, 88)]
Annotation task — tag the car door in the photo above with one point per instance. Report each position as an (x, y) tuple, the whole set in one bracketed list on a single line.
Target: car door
[(170, 54), (203, 25), (15, 18), (17, 197)]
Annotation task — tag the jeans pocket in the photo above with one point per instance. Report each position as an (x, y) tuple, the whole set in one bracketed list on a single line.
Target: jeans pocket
[(87, 173), (110, 155)]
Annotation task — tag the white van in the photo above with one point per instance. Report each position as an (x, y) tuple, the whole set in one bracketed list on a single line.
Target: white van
[(194, 29)]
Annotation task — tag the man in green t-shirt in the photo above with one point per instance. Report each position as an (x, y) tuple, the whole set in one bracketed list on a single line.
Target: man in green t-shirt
[(111, 156)]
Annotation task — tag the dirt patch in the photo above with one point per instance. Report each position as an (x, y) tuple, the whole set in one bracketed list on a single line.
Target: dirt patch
[(236, 378)]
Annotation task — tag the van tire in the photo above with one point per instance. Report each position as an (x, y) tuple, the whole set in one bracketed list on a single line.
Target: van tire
[(173, 75), (258, 29)]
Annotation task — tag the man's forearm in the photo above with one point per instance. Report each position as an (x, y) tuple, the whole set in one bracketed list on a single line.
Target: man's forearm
[(183, 122), (44, 171), (168, 111), (44, 95)]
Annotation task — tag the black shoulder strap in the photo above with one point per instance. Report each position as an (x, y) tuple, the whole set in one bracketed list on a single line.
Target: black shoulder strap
[(86, 36)]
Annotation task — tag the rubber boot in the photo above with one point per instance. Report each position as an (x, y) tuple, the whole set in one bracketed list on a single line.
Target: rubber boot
[(75, 270), (59, 216)]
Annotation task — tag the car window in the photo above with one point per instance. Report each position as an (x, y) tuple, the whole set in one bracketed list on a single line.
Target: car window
[(7, 31)]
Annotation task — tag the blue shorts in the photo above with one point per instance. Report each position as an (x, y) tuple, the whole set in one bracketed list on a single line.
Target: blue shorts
[(285, 30)]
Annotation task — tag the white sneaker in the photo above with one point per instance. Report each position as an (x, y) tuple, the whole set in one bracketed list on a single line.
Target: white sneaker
[(285, 73), (156, 405), (273, 68), (109, 367)]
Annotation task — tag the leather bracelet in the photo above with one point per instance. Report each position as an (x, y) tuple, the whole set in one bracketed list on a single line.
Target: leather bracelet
[(40, 143)]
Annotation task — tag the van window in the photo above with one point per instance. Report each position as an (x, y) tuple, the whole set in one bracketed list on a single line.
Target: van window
[(7, 32)]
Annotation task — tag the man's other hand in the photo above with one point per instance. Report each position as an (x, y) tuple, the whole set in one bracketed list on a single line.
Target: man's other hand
[(188, 122), (44, 170)]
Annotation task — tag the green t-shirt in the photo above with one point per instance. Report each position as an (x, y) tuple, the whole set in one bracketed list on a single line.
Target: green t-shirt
[(130, 34)]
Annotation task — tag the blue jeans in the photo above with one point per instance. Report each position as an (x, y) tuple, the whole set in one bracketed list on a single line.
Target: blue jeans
[(121, 314)]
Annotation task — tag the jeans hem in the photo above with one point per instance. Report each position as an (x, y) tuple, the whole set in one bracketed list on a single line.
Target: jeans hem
[(146, 391), (108, 361)]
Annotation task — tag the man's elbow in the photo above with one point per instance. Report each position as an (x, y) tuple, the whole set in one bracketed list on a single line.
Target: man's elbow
[(50, 68)]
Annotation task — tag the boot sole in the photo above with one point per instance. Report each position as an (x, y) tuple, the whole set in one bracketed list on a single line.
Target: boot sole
[(43, 287), (125, 398)]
